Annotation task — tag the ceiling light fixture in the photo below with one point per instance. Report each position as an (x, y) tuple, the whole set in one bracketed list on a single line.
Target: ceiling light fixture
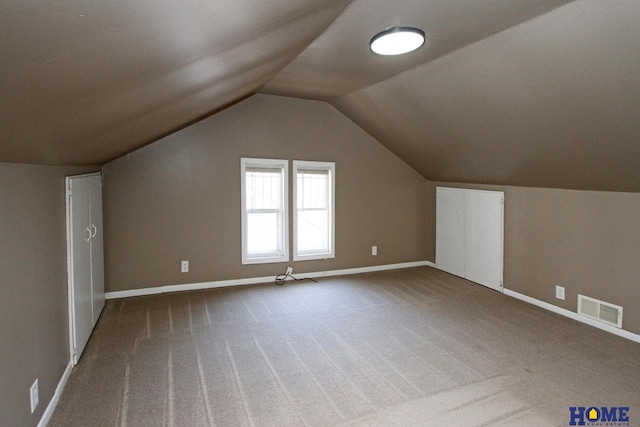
[(397, 40)]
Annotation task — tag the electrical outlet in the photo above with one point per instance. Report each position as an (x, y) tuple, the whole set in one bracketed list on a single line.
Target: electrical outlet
[(560, 292), (184, 267), (289, 271), (35, 395), (374, 250)]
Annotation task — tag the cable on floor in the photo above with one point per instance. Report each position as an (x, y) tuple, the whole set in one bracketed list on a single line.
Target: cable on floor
[(280, 279)]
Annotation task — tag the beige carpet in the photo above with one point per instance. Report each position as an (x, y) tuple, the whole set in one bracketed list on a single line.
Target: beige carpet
[(396, 348)]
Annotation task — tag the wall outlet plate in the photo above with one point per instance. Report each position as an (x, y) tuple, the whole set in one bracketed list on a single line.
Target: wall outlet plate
[(184, 266), (374, 250), (289, 271), (560, 292)]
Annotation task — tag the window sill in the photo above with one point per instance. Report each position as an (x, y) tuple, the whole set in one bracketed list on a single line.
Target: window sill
[(311, 257)]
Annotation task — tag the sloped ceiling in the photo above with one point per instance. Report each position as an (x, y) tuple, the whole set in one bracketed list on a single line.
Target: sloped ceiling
[(552, 102), (515, 92), (85, 81)]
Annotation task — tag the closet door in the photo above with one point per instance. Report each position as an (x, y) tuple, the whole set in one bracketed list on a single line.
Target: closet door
[(469, 234), (85, 258)]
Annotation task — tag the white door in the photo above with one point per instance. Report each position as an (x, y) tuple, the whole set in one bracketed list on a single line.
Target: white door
[(483, 258), (469, 234), (85, 258), (450, 230)]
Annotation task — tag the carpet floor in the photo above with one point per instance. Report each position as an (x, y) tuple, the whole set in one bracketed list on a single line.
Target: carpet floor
[(412, 347)]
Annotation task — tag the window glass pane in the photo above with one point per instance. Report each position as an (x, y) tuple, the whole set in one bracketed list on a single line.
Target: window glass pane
[(263, 233), (313, 231), (312, 189), (264, 188)]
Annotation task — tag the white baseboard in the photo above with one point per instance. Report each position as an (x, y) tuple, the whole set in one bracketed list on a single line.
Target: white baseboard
[(257, 280), (572, 315), (46, 417)]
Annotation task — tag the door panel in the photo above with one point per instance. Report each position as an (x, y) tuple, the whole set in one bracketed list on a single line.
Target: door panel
[(484, 238), (97, 257), (450, 230), (80, 277)]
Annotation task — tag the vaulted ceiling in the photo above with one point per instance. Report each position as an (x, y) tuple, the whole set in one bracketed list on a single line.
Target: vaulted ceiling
[(515, 92)]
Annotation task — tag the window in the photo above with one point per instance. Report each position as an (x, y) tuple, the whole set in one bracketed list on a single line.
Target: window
[(265, 227), (313, 218)]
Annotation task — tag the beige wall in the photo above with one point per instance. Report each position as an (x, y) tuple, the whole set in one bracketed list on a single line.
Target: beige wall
[(33, 290), (586, 241), (179, 198)]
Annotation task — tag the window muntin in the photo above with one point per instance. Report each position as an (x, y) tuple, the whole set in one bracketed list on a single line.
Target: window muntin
[(265, 227), (314, 215)]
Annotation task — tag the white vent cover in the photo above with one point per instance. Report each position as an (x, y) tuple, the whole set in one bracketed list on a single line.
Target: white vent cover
[(599, 310)]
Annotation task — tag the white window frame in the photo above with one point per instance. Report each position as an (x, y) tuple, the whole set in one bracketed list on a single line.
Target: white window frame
[(271, 257), (331, 168)]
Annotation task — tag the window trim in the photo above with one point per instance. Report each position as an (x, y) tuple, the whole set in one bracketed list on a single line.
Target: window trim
[(324, 166), (247, 162)]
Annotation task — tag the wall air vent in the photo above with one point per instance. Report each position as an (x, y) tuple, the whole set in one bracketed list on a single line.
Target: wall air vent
[(605, 312)]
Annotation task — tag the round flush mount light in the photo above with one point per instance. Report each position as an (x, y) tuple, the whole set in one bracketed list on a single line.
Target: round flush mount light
[(397, 40)]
